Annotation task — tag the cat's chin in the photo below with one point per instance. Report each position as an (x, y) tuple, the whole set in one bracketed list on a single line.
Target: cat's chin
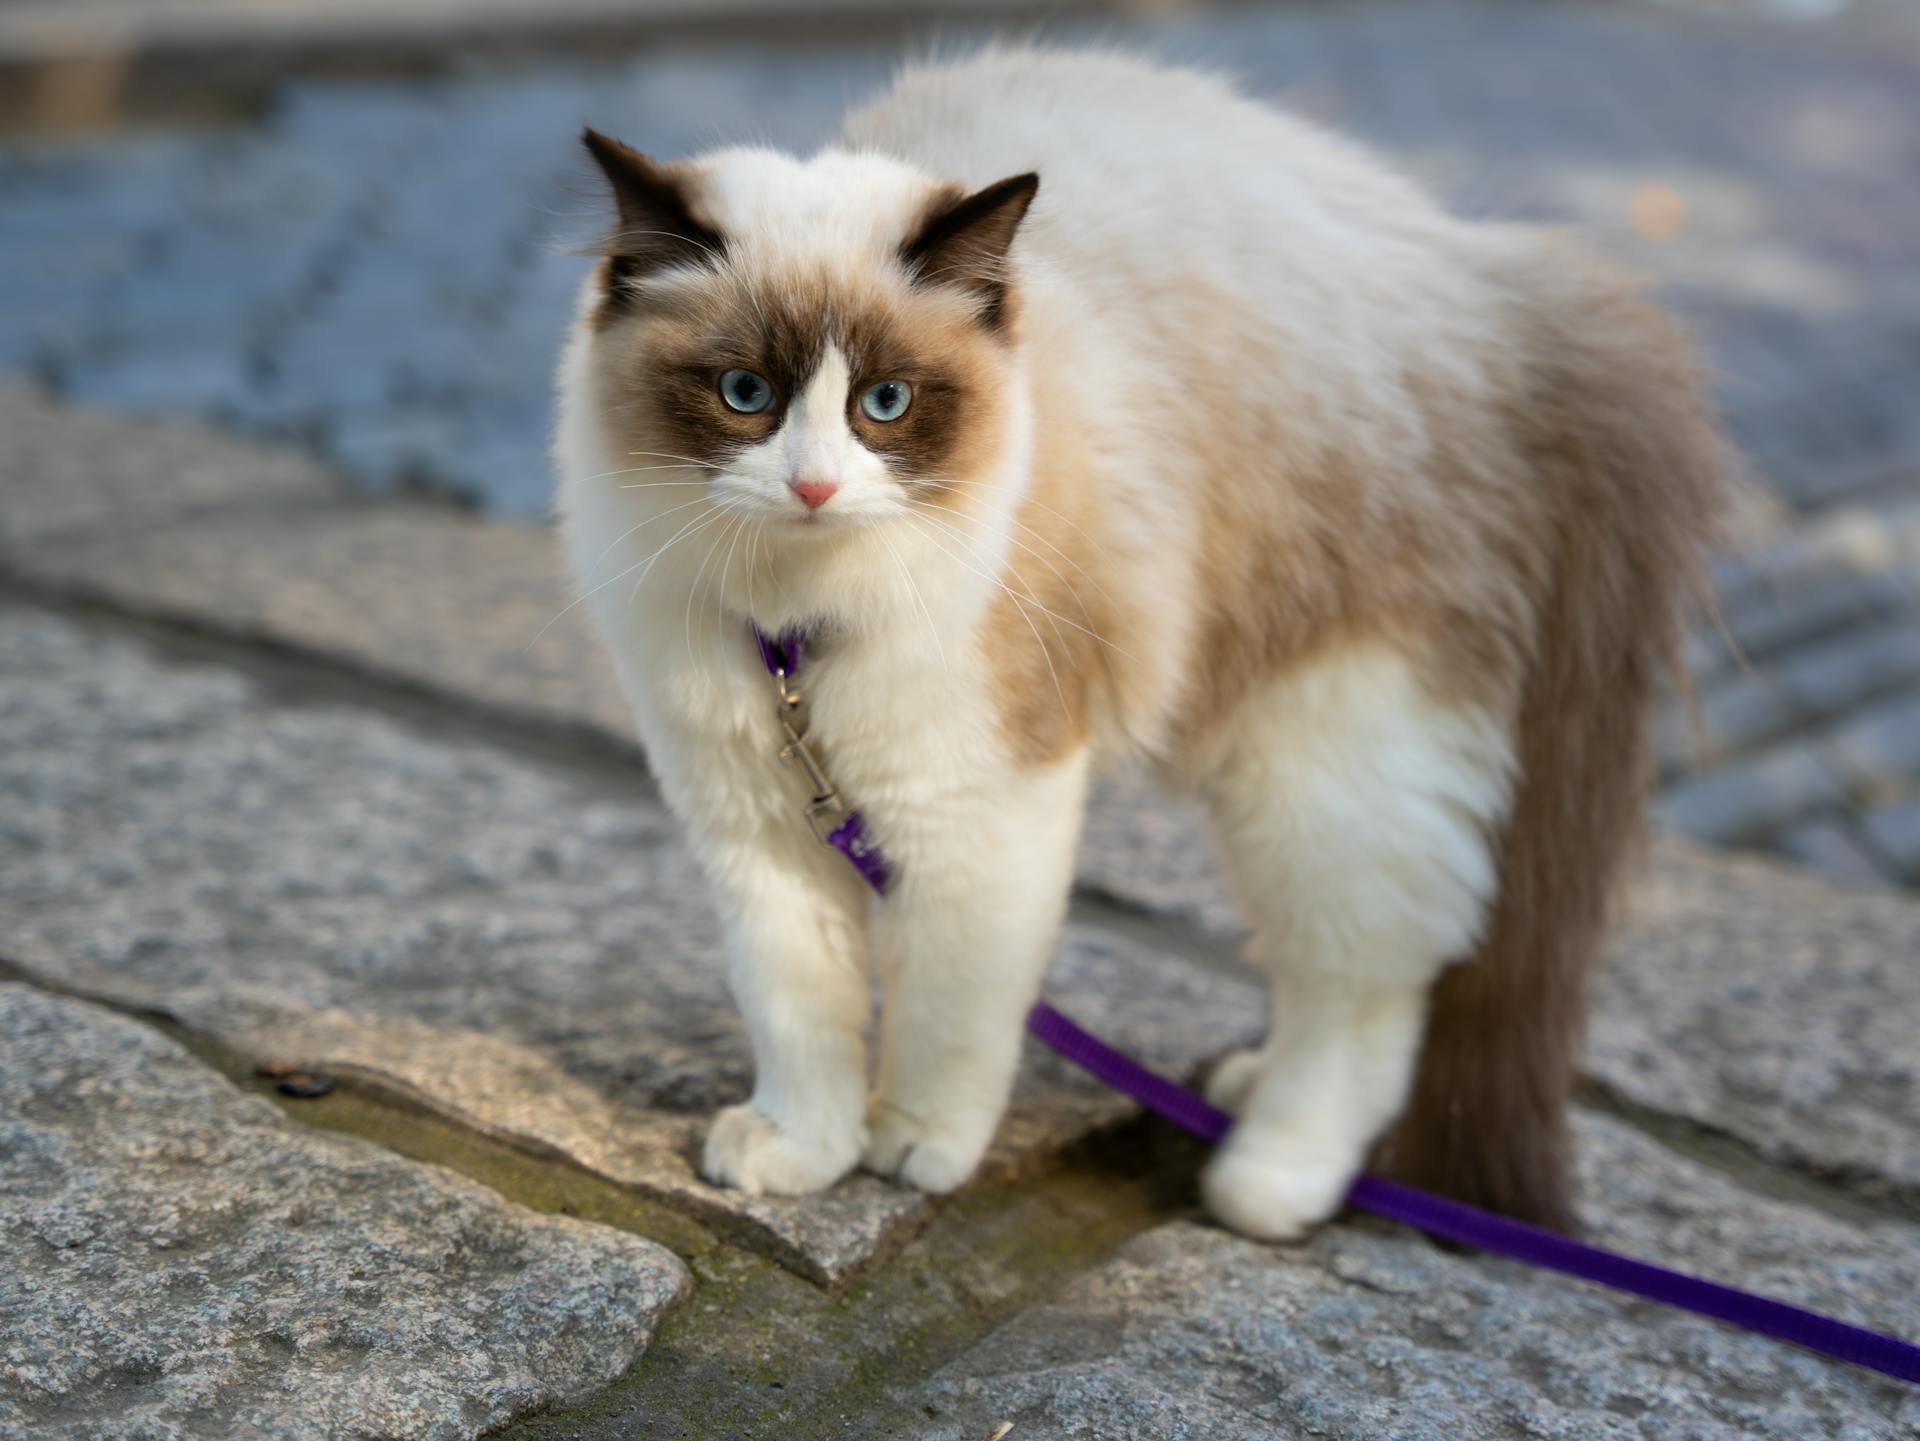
[(807, 525), (823, 532)]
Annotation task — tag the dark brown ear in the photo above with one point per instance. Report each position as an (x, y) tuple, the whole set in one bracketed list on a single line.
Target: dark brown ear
[(964, 241), (657, 226)]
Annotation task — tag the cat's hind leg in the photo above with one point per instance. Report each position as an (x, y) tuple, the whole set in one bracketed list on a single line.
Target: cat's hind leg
[(1358, 813)]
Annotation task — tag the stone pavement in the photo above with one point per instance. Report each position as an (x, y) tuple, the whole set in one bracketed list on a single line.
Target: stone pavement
[(268, 786), (376, 271), (1360, 1334), (183, 1260)]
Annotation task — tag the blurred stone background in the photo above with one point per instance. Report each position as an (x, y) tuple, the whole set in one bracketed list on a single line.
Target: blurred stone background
[(296, 774)]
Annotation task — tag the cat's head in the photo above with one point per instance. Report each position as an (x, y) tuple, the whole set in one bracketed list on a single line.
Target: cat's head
[(823, 344)]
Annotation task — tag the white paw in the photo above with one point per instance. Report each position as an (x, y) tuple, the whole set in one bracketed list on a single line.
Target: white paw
[(747, 1150), (1276, 1190), (933, 1156), (1233, 1079)]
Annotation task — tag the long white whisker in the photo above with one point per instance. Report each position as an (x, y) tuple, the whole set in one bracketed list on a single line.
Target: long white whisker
[(753, 559), (1012, 568), (642, 469), (1028, 596), (671, 235), (1047, 656), (589, 594), (1039, 504), (642, 525), (670, 455), (907, 575), (693, 591), (687, 531), (1015, 540), (663, 484), (726, 568), (1093, 579), (1038, 640)]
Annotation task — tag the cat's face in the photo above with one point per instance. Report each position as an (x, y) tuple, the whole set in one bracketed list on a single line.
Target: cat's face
[(823, 346)]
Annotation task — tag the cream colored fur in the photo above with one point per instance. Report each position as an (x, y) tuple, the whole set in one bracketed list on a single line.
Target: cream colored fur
[(1224, 308)]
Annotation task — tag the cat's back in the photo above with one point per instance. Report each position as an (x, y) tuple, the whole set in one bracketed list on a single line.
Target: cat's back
[(1149, 170)]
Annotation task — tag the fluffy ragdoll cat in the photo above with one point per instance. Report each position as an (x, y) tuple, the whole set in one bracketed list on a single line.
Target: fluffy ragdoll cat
[(1077, 409)]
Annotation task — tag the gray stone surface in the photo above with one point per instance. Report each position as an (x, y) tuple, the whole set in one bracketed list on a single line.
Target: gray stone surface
[(1832, 678), (444, 601), (67, 472), (1153, 850), (1879, 746), (506, 943), (1769, 622), (1756, 1001), (414, 592), (1832, 846), (182, 1261), (1370, 1331), (1895, 832), (1753, 796), (1736, 714)]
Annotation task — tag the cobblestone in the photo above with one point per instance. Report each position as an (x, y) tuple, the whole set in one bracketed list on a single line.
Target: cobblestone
[(1768, 623), (183, 1261), (1832, 678), (1895, 830), (1832, 846), (73, 475), (444, 604), (1753, 1001), (1739, 713), (1753, 797), (1367, 1331), (1879, 747)]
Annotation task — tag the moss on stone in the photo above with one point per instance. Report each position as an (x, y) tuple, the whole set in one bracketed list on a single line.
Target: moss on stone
[(758, 1351)]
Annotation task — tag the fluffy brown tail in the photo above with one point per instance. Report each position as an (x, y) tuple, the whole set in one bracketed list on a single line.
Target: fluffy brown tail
[(1614, 426)]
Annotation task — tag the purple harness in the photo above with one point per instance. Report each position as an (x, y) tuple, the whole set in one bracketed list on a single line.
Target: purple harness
[(844, 830)]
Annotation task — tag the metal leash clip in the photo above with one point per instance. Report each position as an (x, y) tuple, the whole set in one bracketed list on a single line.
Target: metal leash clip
[(824, 811)]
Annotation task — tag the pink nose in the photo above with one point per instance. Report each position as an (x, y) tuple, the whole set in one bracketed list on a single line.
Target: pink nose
[(815, 493)]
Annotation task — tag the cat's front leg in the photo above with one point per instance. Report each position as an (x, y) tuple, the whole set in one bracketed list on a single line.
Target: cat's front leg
[(965, 937), (796, 919)]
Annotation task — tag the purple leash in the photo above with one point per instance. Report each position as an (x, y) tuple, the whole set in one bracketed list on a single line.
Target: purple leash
[(1502, 1235), (846, 832)]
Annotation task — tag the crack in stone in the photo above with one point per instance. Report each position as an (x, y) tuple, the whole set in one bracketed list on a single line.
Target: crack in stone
[(1853, 1196)]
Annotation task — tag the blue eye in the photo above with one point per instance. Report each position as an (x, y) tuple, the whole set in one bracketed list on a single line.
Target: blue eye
[(745, 392), (886, 401)]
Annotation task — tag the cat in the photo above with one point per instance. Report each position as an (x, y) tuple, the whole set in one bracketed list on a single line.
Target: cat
[(1079, 410)]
